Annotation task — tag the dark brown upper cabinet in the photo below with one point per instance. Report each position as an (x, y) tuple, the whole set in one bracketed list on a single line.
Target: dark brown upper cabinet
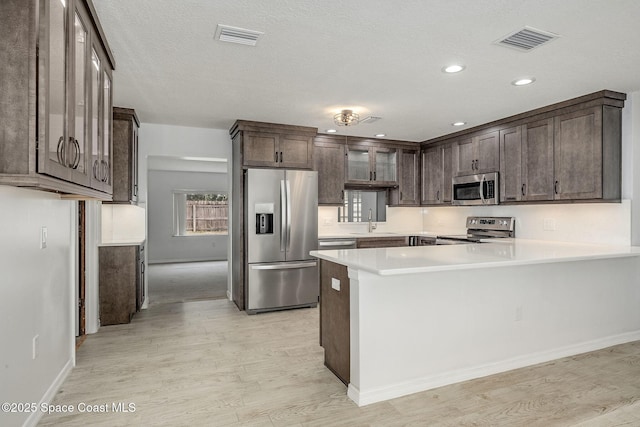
[(587, 154), (408, 191), (526, 162), (275, 146), (329, 161), (125, 155), (371, 165), (437, 172), (569, 151), (477, 154), (56, 80)]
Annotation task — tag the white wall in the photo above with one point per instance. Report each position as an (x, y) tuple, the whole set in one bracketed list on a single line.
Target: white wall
[(178, 141), (631, 174), (163, 245), (37, 288)]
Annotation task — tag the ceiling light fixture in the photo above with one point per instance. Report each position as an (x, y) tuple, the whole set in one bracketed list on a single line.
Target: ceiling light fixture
[(458, 123), (523, 82), (380, 135), (454, 68), (331, 131), (346, 118)]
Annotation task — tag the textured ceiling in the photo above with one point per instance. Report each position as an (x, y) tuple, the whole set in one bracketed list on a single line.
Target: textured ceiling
[(380, 57)]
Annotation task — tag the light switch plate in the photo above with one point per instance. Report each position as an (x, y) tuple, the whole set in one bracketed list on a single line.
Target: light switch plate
[(335, 283), (43, 237)]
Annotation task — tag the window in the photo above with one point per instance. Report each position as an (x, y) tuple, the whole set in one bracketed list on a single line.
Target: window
[(198, 213)]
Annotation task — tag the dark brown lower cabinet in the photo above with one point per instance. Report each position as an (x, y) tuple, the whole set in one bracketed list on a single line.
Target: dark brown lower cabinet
[(381, 242), (120, 284), (335, 334)]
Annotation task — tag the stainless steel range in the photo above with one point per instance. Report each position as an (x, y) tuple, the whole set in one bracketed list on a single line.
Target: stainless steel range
[(478, 228)]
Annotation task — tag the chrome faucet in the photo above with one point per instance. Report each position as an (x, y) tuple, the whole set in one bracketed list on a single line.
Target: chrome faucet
[(372, 225)]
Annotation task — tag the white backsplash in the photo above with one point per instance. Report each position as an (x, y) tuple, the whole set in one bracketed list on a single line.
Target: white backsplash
[(605, 223), (399, 219), (123, 223)]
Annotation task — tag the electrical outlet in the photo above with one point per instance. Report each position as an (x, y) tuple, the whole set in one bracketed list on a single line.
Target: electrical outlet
[(335, 283), (43, 237), (549, 224), (34, 347)]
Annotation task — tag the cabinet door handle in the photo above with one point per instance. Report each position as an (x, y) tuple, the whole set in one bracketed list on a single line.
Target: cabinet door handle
[(438, 195), (105, 171), (76, 157), (370, 176), (524, 187), (473, 164), (60, 150), (401, 196), (374, 176), (281, 157), (555, 187), (276, 159), (342, 195)]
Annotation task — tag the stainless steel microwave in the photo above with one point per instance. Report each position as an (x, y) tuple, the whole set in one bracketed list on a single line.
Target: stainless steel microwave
[(480, 189)]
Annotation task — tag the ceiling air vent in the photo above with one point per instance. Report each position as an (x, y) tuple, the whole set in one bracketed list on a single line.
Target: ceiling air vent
[(526, 39), (370, 119), (230, 34)]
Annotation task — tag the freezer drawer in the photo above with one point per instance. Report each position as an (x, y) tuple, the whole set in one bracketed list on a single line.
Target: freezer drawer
[(275, 286)]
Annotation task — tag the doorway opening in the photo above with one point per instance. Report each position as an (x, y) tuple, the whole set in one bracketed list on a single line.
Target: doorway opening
[(81, 317), (187, 229)]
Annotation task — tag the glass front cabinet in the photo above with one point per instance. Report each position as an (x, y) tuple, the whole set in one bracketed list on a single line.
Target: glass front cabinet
[(60, 136), (372, 165)]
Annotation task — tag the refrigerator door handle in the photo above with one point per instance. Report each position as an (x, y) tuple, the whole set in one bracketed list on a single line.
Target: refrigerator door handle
[(285, 266), (288, 186), (283, 216)]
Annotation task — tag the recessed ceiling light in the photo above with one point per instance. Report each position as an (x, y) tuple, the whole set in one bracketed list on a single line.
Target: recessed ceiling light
[(380, 135), (453, 68), (331, 131), (458, 123), (523, 82)]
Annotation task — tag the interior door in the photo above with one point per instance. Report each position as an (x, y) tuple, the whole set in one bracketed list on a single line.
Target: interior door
[(302, 222)]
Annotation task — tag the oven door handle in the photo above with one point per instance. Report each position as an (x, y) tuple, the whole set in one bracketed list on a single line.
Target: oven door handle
[(482, 180)]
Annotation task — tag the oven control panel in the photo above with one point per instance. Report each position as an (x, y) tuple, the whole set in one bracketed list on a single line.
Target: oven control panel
[(491, 223)]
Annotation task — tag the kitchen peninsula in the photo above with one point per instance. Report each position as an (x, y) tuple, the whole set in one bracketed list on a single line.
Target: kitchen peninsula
[(416, 318)]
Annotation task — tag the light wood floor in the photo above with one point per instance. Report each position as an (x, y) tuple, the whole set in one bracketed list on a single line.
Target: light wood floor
[(205, 363), (187, 281)]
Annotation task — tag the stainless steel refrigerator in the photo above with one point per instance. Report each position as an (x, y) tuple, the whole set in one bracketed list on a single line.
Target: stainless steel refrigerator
[(282, 227)]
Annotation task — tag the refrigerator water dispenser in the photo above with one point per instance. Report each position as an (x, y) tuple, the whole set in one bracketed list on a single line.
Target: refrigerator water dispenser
[(264, 218)]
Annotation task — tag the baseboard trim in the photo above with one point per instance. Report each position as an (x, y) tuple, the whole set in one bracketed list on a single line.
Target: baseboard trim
[(380, 394), (51, 392)]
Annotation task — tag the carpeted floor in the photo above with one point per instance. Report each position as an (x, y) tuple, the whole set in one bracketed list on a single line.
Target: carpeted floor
[(187, 281)]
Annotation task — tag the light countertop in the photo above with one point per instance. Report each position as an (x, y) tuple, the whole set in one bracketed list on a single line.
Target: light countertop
[(133, 242), (374, 234), (419, 259)]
